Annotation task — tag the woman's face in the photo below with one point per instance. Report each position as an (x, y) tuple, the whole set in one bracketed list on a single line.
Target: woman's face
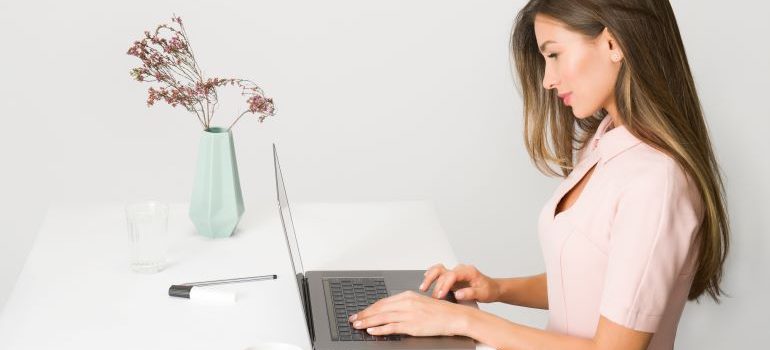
[(582, 70)]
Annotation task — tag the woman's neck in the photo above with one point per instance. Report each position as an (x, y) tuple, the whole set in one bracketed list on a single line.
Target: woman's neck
[(612, 112)]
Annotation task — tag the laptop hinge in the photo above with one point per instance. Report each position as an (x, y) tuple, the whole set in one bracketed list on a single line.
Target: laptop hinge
[(308, 309)]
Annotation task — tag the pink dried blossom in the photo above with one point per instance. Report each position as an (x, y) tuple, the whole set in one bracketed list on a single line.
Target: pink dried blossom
[(168, 60), (260, 104)]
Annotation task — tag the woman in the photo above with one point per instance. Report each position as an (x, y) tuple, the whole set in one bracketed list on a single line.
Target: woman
[(639, 224)]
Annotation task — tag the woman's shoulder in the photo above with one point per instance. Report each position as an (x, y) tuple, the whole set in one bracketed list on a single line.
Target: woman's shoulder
[(644, 162), (648, 171)]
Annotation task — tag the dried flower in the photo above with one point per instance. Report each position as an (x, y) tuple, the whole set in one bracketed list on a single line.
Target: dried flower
[(167, 59)]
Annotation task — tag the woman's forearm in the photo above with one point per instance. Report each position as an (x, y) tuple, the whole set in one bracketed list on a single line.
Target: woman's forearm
[(502, 334), (529, 291)]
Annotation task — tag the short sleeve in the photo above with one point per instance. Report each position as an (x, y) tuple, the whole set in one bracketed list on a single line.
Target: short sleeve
[(656, 220)]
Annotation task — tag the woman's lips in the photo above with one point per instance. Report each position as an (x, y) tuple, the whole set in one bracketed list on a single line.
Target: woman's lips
[(566, 98)]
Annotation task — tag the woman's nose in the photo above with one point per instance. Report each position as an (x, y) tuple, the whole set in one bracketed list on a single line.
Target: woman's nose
[(549, 79)]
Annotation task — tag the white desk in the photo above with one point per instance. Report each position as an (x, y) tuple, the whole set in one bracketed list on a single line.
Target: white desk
[(76, 290)]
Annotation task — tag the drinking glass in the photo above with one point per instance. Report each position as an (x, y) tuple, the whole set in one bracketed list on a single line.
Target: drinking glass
[(148, 236)]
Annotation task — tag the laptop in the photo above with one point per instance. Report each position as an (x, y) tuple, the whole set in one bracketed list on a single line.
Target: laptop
[(330, 297)]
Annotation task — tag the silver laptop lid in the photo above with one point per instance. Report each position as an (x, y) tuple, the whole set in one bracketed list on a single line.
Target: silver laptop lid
[(286, 220), (291, 242)]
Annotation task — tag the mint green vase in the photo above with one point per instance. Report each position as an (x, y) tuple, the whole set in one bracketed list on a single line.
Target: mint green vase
[(216, 204)]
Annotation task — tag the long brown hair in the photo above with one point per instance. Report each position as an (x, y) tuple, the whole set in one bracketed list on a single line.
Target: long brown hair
[(656, 100)]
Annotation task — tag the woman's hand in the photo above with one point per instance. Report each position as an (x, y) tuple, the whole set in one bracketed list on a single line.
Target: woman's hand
[(414, 314), (465, 280)]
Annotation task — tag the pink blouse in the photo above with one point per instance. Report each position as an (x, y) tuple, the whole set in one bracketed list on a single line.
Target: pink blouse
[(625, 249)]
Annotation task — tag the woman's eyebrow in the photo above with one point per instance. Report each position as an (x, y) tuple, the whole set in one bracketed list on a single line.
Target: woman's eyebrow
[(542, 46)]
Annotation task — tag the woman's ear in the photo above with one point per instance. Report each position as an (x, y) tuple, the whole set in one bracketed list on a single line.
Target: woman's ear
[(613, 50)]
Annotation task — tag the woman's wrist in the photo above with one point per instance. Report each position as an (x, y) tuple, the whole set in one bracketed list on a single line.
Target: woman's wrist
[(505, 289), (478, 324), (497, 289), (467, 317)]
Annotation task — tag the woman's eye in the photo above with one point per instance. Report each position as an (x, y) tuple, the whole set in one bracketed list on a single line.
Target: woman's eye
[(553, 55)]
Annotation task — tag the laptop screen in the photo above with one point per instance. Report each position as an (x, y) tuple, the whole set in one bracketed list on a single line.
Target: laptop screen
[(288, 223), (291, 241)]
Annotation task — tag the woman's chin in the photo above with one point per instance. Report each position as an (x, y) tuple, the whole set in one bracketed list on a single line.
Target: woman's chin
[(580, 114)]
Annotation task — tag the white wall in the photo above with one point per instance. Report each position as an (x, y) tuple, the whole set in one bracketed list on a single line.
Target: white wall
[(376, 101)]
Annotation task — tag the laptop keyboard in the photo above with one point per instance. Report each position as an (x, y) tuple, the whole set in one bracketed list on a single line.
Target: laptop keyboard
[(349, 296)]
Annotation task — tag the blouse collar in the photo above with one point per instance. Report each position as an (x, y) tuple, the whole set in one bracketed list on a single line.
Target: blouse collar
[(611, 142)]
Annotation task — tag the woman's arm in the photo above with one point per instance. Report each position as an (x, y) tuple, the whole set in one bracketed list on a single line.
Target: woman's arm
[(419, 315), (502, 334), (529, 291)]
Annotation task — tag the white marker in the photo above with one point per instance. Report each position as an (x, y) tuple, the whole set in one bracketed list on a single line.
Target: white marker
[(195, 290)]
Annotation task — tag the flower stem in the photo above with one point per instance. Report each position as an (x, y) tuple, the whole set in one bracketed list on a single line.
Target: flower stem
[(236, 119)]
